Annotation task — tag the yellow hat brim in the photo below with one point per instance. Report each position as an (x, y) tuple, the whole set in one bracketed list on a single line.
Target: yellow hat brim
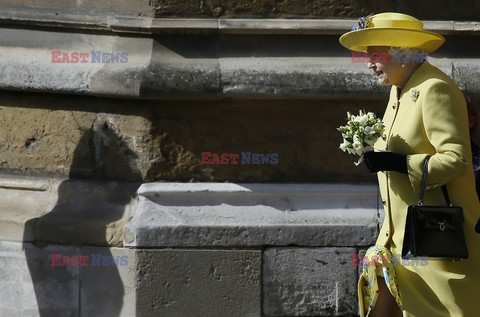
[(360, 40)]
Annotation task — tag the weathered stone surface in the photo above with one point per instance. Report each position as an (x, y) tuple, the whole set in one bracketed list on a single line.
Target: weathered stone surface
[(21, 199), (31, 287), (193, 67), (146, 141), (317, 8), (466, 73), (309, 282), (303, 134), (75, 19), (108, 290), (65, 211), (222, 214), (87, 213), (461, 10), (140, 140), (198, 283), (79, 137), (87, 7)]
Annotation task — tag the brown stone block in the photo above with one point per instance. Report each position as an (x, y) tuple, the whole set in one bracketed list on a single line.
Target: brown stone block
[(302, 133), (72, 136), (99, 138)]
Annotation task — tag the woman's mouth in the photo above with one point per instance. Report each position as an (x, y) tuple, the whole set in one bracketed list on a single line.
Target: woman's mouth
[(379, 73)]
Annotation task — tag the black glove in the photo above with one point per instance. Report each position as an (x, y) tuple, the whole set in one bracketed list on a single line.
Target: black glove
[(385, 161)]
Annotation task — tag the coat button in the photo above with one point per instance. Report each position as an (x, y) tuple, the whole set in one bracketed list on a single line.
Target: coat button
[(384, 202), (394, 105), (387, 233), (384, 137)]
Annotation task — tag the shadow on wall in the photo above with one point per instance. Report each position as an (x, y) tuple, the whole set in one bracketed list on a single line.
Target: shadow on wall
[(88, 213)]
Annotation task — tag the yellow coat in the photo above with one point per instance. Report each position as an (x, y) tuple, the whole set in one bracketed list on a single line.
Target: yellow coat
[(430, 118)]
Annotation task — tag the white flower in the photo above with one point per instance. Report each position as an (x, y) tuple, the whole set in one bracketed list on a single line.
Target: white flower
[(357, 145), (360, 133), (345, 145), (369, 130), (361, 119)]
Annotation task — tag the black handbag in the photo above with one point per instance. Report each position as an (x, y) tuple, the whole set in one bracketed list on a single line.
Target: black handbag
[(434, 231)]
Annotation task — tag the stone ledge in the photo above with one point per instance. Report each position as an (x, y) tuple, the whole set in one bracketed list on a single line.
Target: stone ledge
[(74, 19), (193, 67), (213, 214), (64, 210), (167, 68)]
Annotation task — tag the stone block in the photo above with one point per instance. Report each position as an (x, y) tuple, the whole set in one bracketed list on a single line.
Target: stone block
[(108, 289), (196, 66), (87, 7), (309, 282), (225, 214), (461, 10), (198, 283), (466, 74), (87, 213), (30, 286), (65, 211)]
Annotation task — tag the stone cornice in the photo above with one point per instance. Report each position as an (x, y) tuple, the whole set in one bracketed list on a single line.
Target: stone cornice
[(40, 18), (206, 66)]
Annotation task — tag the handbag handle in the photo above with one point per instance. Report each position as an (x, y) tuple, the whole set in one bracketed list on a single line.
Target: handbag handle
[(424, 181)]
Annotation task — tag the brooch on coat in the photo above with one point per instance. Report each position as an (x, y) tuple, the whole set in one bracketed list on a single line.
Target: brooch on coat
[(414, 94)]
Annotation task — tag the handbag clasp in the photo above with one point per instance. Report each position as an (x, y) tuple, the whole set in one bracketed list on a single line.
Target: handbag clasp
[(442, 225)]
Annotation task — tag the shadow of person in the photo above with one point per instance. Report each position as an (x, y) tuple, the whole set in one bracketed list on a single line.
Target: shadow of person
[(73, 271)]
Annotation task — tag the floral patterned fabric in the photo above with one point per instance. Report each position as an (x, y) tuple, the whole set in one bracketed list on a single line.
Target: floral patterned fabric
[(378, 262)]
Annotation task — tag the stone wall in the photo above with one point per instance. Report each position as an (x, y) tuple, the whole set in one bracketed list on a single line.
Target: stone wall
[(104, 160), (124, 140), (425, 10)]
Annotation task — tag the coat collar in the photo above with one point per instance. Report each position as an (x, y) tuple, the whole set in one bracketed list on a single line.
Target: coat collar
[(415, 79)]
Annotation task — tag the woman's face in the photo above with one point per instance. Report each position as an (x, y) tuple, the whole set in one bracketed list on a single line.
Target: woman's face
[(388, 73)]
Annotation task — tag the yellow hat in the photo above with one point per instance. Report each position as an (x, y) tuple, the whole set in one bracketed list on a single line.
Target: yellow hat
[(391, 29)]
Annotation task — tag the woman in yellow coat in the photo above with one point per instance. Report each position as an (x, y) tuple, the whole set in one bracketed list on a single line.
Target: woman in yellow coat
[(426, 115)]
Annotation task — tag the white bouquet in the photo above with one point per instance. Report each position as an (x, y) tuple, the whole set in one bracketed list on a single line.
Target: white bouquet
[(360, 133)]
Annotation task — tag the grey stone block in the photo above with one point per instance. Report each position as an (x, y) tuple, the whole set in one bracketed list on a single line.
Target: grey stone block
[(466, 74), (192, 67), (198, 283), (31, 287), (309, 282), (108, 289), (225, 214)]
